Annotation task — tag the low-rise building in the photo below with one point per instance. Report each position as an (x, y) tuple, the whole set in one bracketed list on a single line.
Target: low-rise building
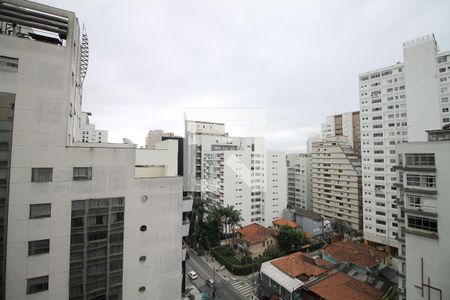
[(360, 257), (309, 221), (254, 240), (285, 276), (340, 286), (277, 224)]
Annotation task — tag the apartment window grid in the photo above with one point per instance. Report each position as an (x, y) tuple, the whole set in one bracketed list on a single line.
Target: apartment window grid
[(372, 97), (423, 223), (420, 159), (96, 250)]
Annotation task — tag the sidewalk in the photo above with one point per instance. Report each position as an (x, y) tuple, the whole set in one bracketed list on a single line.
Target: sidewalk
[(225, 274)]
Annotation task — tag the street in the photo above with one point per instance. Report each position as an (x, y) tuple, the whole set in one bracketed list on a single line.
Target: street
[(224, 289)]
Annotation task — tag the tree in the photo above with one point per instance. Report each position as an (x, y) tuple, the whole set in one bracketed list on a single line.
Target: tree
[(290, 240), (208, 225)]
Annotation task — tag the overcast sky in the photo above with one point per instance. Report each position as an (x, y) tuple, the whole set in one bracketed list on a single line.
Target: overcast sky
[(291, 62)]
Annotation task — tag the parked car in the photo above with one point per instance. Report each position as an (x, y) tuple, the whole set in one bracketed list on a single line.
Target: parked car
[(210, 282), (193, 275)]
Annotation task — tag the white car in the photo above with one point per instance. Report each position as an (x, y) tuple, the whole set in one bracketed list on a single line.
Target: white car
[(193, 275)]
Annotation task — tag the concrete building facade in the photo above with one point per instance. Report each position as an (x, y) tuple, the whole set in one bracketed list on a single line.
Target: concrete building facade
[(336, 182), (156, 136), (77, 223), (235, 175), (88, 132), (393, 111), (423, 176), (345, 124), (299, 181), (275, 198)]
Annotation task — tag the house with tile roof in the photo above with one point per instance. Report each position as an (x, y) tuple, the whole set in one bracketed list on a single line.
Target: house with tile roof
[(284, 276), (254, 239), (360, 257), (277, 224), (339, 286)]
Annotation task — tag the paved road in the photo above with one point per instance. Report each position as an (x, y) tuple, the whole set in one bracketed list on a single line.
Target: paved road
[(224, 290)]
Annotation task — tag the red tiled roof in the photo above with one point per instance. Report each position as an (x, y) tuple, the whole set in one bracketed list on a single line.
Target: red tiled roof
[(297, 264), (360, 254), (255, 233), (285, 222), (341, 286)]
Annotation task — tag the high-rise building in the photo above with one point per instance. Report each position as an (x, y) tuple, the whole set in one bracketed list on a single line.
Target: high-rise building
[(156, 136), (198, 138), (346, 124), (275, 198), (299, 181), (423, 174), (390, 99), (336, 182), (88, 132), (76, 222), (235, 175)]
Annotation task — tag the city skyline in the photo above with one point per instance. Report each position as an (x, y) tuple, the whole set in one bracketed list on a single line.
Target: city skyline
[(241, 54)]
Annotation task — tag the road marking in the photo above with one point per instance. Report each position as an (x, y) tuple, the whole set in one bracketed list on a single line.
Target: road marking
[(243, 288)]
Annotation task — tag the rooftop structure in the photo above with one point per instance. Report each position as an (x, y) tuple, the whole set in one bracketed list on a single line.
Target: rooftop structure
[(360, 254), (285, 222), (340, 286)]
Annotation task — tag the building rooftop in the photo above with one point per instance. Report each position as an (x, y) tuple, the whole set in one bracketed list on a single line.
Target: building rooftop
[(341, 286), (308, 214), (285, 222), (298, 264), (255, 233), (357, 253)]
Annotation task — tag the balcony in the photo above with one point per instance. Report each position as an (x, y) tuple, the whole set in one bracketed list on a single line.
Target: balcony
[(187, 203), (185, 228)]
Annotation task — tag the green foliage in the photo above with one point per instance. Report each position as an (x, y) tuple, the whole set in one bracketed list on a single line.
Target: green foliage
[(209, 227), (290, 240), (225, 256)]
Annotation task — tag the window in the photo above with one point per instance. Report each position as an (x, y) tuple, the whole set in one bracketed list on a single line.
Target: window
[(442, 59), (82, 173), (445, 110), (41, 174), (37, 284), (422, 223), (38, 247), (427, 181), (40, 210), (421, 159), (414, 201), (9, 64)]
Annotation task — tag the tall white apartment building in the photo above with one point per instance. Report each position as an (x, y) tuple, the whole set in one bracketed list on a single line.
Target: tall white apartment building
[(345, 124), (423, 189), (336, 182), (235, 175), (299, 181), (275, 199), (76, 222), (423, 176), (389, 98), (156, 136), (198, 138), (88, 133)]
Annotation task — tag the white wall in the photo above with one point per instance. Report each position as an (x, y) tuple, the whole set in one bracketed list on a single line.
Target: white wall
[(423, 104), (276, 187)]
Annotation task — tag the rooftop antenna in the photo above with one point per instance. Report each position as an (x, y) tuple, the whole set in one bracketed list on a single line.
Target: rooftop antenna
[(84, 59)]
